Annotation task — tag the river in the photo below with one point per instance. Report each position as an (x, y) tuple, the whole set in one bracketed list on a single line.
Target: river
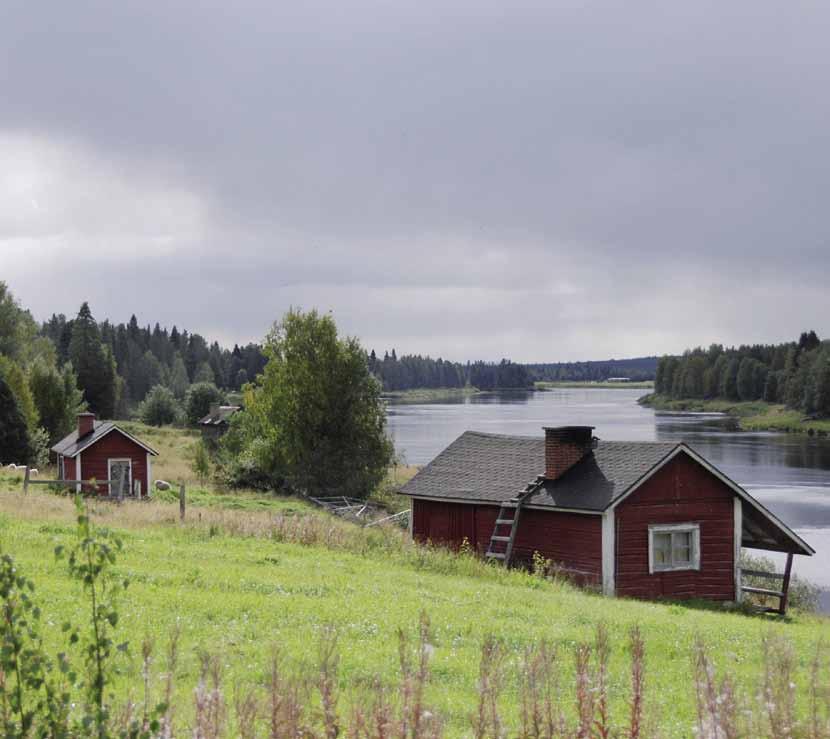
[(788, 473)]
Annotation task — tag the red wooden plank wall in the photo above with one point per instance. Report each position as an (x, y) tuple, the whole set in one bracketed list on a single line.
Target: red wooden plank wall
[(569, 539), (681, 492), (113, 446)]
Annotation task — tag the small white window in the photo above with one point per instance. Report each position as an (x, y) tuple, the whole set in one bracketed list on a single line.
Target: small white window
[(673, 547)]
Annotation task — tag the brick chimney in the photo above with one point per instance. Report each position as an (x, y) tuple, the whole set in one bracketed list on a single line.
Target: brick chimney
[(564, 447), (86, 423)]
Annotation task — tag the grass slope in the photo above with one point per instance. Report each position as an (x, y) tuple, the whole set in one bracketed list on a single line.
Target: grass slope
[(239, 581), (248, 571)]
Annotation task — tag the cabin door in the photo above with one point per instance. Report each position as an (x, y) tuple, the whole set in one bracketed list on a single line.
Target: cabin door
[(121, 477)]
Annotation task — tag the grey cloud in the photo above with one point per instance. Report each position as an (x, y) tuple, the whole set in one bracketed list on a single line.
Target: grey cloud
[(449, 178)]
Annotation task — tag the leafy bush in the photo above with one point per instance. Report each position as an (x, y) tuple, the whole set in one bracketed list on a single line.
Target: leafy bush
[(160, 407), (198, 400), (202, 465), (39, 448)]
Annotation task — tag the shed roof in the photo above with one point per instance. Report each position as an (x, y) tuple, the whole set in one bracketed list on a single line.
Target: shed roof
[(72, 445), (220, 415)]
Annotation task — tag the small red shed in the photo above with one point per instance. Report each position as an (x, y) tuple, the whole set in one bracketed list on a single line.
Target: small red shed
[(101, 450), (642, 519)]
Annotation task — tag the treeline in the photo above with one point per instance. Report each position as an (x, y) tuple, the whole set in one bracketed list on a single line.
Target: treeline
[(796, 374), (50, 372), (119, 364), (637, 369), (414, 371), (39, 393)]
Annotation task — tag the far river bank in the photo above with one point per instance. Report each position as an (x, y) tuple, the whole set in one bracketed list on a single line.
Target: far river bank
[(754, 415)]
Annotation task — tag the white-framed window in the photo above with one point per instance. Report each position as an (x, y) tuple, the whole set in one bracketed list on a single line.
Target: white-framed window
[(673, 547)]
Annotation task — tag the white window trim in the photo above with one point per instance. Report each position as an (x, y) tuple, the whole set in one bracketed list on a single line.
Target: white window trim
[(668, 528), (109, 473)]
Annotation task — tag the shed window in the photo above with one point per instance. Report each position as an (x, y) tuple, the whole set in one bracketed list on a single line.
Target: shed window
[(674, 547)]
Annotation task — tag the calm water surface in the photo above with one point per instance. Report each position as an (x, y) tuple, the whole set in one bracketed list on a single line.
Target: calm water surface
[(788, 473)]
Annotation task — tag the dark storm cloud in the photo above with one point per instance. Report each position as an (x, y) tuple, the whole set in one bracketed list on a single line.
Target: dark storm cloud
[(475, 179)]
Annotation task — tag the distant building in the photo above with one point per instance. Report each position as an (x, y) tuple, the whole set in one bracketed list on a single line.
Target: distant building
[(618, 379), (101, 450), (216, 423), (639, 519)]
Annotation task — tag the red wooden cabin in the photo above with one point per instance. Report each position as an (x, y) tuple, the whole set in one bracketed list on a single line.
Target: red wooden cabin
[(101, 450), (642, 519)]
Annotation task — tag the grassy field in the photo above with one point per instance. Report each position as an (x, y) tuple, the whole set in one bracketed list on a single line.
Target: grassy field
[(245, 573), (755, 415), (645, 385)]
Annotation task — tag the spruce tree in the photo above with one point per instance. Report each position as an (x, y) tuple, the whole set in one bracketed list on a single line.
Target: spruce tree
[(14, 436), (94, 364), (179, 381)]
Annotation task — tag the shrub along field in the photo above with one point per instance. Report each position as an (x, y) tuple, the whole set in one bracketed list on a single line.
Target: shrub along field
[(239, 580)]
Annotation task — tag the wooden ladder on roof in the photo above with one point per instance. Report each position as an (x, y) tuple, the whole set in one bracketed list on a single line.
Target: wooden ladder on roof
[(501, 542)]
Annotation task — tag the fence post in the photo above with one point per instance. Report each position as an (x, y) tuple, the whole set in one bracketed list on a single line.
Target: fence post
[(26, 481), (181, 502)]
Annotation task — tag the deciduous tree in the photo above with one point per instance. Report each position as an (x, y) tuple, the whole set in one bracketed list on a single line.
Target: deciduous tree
[(314, 420)]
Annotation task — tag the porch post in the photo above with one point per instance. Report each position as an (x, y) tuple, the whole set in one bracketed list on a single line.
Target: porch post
[(738, 523), (785, 588)]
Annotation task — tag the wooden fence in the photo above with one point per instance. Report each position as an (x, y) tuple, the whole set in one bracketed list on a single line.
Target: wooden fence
[(27, 481)]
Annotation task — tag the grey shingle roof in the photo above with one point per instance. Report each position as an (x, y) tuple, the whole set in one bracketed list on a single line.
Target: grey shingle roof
[(492, 468), (70, 445), (221, 415)]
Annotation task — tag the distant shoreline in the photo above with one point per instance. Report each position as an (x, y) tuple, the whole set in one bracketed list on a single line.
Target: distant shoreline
[(430, 393), (599, 384), (754, 415), (425, 394)]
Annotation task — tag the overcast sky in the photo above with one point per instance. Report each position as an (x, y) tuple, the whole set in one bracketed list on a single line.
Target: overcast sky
[(543, 181)]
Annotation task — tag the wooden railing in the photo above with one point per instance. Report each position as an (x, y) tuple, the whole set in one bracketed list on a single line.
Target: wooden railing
[(27, 481), (781, 593)]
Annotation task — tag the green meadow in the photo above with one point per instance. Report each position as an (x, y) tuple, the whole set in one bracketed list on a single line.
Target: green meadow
[(240, 580)]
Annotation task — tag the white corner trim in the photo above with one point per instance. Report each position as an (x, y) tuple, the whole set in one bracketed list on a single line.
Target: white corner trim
[(739, 526), (693, 528), (149, 475), (78, 473), (411, 517), (608, 552)]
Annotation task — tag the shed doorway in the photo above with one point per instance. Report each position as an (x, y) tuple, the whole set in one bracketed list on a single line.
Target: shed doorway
[(120, 473)]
